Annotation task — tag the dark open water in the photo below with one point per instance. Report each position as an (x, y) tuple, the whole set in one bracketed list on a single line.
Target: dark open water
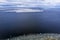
[(12, 23)]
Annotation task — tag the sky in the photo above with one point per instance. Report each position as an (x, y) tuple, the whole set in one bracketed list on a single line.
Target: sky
[(29, 3)]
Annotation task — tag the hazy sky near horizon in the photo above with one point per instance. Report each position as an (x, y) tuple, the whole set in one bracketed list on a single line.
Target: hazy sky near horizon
[(30, 3)]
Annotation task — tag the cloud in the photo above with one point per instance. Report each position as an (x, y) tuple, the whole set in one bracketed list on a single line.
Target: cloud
[(3, 0), (28, 3), (24, 3)]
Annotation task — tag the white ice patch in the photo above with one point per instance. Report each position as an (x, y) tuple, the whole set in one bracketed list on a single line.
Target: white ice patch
[(24, 10)]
